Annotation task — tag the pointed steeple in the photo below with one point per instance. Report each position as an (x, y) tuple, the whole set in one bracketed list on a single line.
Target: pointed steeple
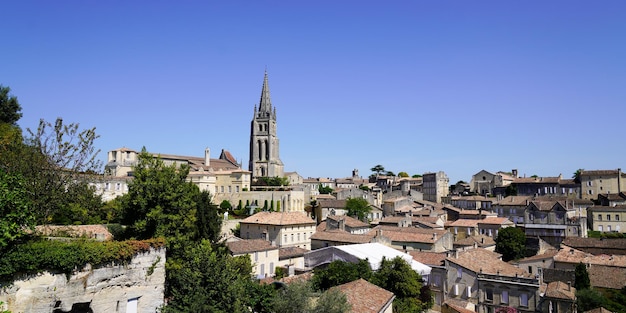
[(265, 105)]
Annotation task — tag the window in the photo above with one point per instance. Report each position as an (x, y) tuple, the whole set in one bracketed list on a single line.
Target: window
[(456, 289), (530, 269), (523, 299), (236, 188), (469, 291), (599, 217), (608, 217), (263, 270), (600, 228), (271, 268), (489, 295), (459, 273), (291, 237), (285, 238), (298, 237), (222, 188), (616, 217), (256, 256), (230, 189), (505, 297), (608, 228)]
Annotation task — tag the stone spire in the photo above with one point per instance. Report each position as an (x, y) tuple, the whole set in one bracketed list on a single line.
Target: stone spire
[(265, 105)]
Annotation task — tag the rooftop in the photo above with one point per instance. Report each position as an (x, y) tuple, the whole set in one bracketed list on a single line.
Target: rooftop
[(279, 218), (249, 245), (365, 297), (560, 290), (483, 261)]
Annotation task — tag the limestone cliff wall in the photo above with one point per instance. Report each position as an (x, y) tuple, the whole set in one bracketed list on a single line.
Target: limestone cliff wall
[(137, 286)]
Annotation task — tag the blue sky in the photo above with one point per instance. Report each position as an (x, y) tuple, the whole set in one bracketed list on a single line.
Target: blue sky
[(416, 86)]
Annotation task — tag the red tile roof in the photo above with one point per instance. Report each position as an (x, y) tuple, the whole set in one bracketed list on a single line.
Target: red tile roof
[(483, 261), (560, 290), (249, 245), (279, 218), (365, 297), (428, 258)]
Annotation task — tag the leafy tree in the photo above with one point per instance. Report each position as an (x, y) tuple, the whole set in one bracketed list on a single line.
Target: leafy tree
[(378, 169), (577, 174), (403, 174), (272, 181), (364, 188), (581, 277), (340, 272), (297, 298), (511, 243), (260, 297), (225, 206), (324, 189), (332, 301), (208, 219), (416, 176), (160, 201), (588, 299), (390, 173), (510, 191), (16, 211), (358, 207), (9, 107), (397, 276), (204, 278), (56, 162)]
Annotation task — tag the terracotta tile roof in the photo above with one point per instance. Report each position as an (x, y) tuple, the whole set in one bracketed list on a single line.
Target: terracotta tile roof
[(350, 221), (428, 258), (279, 218), (462, 222), (598, 172), (570, 255), (607, 276), (532, 180), (488, 262), (410, 234), (291, 252), (331, 203), (495, 221), (457, 305), (249, 245), (546, 205), (617, 208), (546, 255), (480, 240), (579, 242), (560, 290), (365, 297), (513, 200), (337, 235), (300, 277)]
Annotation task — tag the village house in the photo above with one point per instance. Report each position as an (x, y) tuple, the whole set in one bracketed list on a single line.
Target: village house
[(549, 221), (596, 182), (477, 241), (512, 207), (547, 186), (484, 182), (597, 246), (413, 238), (463, 228), (291, 257), (263, 255), (607, 218), (559, 297), (481, 277), (283, 229), (347, 223), (605, 271), (492, 225), (536, 264), (612, 199), (436, 261)]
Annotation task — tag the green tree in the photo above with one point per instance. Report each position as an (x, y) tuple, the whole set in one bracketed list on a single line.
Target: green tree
[(332, 301), (57, 163), (16, 211), (358, 207), (577, 174), (511, 243), (205, 278), (9, 107), (298, 296), (208, 219), (397, 276), (588, 299), (160, 200), (225, 206), (416, 176), (581, 277), (340, 272), (390, 173), (378, 169), (403, 174), (510, 191), (325, 190)]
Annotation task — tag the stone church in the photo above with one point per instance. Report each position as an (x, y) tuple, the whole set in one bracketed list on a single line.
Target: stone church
[(264, 157)]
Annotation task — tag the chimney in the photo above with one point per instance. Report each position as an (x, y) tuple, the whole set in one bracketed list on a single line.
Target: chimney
[(456, 254), (569, 286), (207, 157), (435, 236), (482, 240), (342, 224)]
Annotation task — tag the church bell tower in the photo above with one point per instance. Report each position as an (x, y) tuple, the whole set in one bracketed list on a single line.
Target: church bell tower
[(264, 158)]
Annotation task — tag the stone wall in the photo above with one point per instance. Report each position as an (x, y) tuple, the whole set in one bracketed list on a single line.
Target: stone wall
[(134, 287)]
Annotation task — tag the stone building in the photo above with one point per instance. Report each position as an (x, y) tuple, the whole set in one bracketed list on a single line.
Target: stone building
[(264, 147), (435, 186), (597, 182), (283, 229)]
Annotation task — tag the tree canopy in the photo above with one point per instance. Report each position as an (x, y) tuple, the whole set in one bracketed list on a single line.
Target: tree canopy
[(378, 169), (511, 243), (403, 174), (358, 207), (10, 109), (397, 276), (15, 209), (340, 272)]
